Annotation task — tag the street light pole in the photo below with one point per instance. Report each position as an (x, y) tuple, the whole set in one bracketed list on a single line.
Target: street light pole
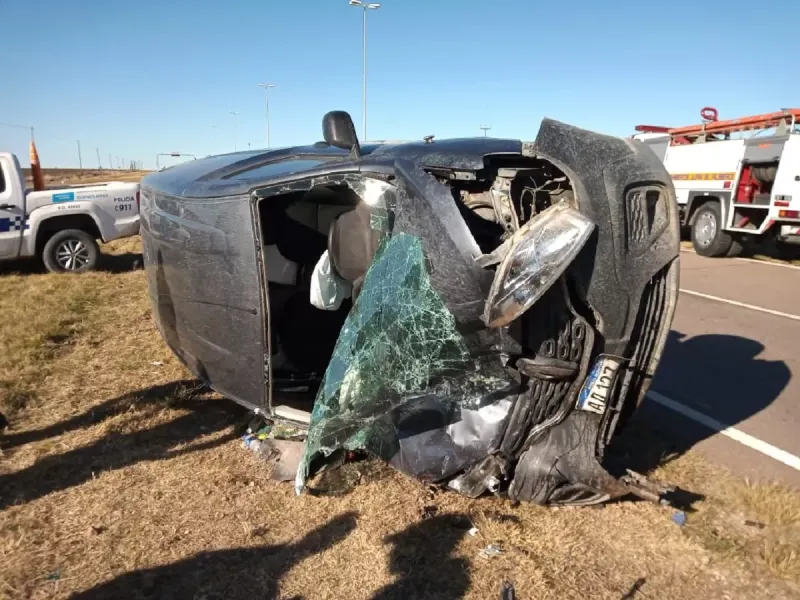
[(266, 87), (485, 129), (364, 6), (234, 113)]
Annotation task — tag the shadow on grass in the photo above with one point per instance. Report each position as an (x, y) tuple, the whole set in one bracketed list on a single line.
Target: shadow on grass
[(241, 573), (120, 263), (422, 558), (109, 263), (100, 412), (117, 450)]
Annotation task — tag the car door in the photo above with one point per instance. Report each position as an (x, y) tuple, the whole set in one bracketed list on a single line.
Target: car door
[(12, 209)]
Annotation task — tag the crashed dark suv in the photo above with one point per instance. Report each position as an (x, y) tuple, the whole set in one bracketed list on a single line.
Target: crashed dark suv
[(481, 313)]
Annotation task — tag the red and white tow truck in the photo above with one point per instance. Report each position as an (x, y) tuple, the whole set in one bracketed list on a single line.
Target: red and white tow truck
[(734, 179)]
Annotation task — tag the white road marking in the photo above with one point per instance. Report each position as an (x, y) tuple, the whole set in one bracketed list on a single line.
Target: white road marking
[(741, 304), (790, 460), (754, 260)]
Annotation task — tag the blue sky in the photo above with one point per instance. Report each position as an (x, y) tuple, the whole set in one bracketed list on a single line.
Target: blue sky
[(133, 79)]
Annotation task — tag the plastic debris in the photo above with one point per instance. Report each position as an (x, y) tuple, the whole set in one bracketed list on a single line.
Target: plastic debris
[(490, 551), (251, 442), (473, 532), (508, 592), (679, 518), (756, 524), (157, 363)]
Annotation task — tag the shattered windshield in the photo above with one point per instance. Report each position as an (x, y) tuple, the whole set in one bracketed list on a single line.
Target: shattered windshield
[(403, 382)]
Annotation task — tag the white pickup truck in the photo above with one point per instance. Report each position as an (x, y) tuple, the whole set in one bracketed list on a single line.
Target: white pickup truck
[(62, 226)]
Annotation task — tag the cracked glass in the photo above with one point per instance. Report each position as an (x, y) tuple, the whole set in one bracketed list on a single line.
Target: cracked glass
[(403, 382)]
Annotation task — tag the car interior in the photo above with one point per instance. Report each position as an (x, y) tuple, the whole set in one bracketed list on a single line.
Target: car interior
[(297, 228)]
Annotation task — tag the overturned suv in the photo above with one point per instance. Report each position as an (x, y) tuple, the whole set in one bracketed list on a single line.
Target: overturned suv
[(481, 313)]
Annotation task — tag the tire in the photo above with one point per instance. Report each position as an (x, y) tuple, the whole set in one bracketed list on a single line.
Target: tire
[(708, 238), (70, 251), (737, 245)]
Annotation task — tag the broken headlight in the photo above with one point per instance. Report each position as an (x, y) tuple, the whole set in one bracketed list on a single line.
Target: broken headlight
[(534, 258)]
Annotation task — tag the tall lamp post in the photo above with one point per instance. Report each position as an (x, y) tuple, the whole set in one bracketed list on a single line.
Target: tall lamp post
[(234, 113), (485, 129), (266, 87), (365, 6)]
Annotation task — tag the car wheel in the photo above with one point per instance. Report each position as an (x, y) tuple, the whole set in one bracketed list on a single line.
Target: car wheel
[(708, 237), (70, 251)]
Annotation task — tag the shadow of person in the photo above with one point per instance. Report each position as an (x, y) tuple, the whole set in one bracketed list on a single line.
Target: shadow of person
[(240, 573), (718, 375), (158, 394), (421, 557), (118, 450)]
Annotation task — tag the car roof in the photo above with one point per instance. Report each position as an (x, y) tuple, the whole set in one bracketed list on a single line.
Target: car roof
[(238, 173)]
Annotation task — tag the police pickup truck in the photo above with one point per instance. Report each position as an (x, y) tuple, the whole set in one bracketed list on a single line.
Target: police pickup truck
[(61, 226)]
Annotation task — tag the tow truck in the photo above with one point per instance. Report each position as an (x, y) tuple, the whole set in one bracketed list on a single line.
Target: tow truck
[(735, 180)]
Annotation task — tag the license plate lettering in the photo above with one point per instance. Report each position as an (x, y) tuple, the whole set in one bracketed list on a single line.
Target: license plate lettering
[(597, 388)]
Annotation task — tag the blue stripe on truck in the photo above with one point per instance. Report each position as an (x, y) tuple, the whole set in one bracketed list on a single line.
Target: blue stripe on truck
[(63, 197)]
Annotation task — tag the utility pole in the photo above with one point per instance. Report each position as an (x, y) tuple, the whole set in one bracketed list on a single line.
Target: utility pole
[(99, 164), (485, 129), (365, 7), (110, 162), (80, 160), (266, 87)]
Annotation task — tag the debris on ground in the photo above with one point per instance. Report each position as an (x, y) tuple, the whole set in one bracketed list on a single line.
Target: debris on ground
[(429, 511), (474, 531), (756, 524), (286, 454), (490, 551), (503, 517), (277, 443), (679, 518), (508, 592)]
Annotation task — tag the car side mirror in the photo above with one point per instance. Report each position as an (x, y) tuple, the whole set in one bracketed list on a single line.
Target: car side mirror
[(338, 130)]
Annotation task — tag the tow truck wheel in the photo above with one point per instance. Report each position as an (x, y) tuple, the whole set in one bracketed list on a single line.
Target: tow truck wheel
[(708, 237), (70, 251)]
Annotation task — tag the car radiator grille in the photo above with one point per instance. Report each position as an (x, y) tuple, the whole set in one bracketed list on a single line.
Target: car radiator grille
[(555, 332), (647, 330)]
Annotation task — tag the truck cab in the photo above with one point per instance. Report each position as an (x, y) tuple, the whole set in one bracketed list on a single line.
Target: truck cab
[(61, 226)]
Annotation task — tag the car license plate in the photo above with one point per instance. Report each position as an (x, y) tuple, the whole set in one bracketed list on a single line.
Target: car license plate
[(598, 385)]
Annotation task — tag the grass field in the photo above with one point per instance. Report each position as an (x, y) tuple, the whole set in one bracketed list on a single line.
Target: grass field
[(122, 477)]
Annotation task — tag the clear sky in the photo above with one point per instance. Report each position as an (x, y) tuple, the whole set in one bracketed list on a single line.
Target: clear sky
[(133, 79)]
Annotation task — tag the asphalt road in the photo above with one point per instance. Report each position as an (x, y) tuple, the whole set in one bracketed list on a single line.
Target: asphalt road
[(735, 365)]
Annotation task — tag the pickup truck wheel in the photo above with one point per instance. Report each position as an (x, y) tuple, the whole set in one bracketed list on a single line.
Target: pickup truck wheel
[(708, 237), (70, 251)]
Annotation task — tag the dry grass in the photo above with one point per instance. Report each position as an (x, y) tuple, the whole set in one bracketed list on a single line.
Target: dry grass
[(121, 478), (55, 177)]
